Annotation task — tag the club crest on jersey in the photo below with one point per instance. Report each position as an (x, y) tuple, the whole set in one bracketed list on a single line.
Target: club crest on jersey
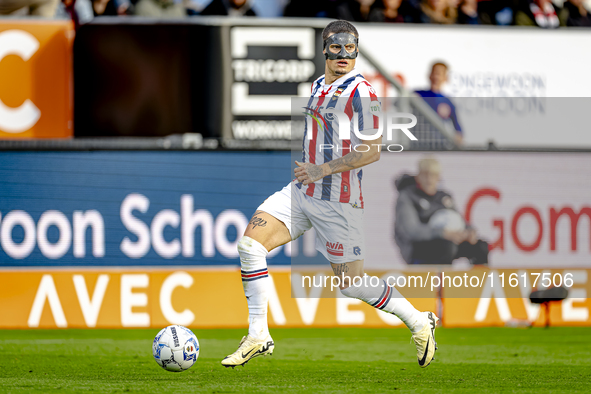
[(336, 94), (334, 248)]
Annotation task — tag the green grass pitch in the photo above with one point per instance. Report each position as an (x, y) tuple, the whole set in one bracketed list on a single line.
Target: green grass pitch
[(343, 360)]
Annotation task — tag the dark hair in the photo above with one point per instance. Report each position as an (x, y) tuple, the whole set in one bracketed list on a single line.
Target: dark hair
[(339, 26), (440, 63)]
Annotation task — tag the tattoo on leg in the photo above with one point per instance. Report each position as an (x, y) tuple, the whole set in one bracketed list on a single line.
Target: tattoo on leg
[(340, 269), (257, 221)]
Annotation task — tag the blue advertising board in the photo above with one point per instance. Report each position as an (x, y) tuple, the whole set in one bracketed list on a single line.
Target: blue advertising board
[(127, 208)]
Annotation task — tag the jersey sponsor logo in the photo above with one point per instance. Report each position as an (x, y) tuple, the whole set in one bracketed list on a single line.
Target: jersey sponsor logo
[(315, 114), (334, 248), (375, 108), (356, 250)]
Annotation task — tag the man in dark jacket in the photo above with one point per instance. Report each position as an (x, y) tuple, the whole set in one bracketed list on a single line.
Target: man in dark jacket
[(574, 13), (229, 8), (428, 228)]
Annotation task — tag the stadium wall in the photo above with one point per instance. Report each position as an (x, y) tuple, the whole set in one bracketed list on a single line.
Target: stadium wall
[(143, 239), (255, 68), (132, 77), (212, 298), (35, 79), (132, 208), (534, 208)]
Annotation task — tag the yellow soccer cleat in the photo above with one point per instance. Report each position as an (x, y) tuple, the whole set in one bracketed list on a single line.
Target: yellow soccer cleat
[(249, 348), (425, 340)]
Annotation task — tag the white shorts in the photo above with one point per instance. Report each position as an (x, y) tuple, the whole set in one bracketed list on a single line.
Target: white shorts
[(339, 226)]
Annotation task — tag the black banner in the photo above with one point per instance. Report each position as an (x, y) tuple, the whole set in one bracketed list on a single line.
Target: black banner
[(139, 79)]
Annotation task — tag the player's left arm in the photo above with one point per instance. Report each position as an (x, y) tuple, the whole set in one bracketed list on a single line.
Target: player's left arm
[(309, 173)]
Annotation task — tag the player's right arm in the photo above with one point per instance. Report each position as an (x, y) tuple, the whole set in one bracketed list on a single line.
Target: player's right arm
[(308, 173), (362, 103)]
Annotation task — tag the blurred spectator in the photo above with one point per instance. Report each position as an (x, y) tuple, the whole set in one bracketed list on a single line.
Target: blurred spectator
[(79, 11), (229, 8), (468, 12), (312, 8), (496, 12), (439, 11), (428, 228), (436, 100), (394, 11), (537, 13), (110, 7), (302, 8), (262, 8), (43, 8), (160, 9), (354, 10), (574, 13), (269, 8)]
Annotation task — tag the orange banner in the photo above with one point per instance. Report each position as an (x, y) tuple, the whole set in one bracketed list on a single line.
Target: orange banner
[(213, 298), (35, 79)]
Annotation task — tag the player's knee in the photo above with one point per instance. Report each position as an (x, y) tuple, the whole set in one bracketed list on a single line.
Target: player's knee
[(251, 251)]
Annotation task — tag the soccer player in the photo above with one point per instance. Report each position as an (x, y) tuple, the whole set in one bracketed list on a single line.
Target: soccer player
[(326, 195)]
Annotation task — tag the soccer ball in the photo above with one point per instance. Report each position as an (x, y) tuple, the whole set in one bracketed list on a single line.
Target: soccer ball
[(175, 348), (447, 219)]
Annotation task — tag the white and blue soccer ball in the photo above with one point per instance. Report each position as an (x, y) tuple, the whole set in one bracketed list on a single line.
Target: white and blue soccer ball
[(447, 219), (175, 348)]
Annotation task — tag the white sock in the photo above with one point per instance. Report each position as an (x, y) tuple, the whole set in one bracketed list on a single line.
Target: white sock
[(388, 299), (255, 281)]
